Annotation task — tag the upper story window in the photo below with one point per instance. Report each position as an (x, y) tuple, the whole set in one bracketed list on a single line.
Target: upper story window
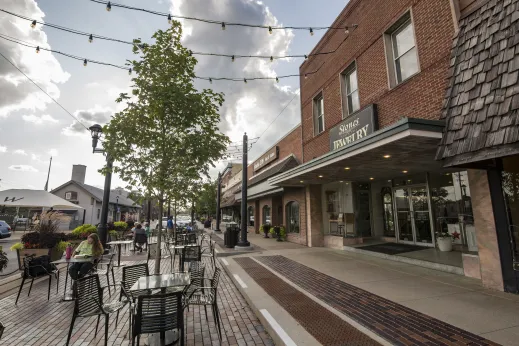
[(318, 114), (72, 195), (350, 88), (402, 53)]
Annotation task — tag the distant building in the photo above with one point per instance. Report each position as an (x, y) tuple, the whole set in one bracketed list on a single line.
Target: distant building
[(90, 198)]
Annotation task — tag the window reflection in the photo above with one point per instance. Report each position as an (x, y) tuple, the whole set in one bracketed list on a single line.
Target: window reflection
[(389, 223), (266, 215), (510, 182), (292, 212)]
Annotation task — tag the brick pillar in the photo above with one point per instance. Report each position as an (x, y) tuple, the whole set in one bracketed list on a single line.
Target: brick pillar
[(484, 222), (314, 216)]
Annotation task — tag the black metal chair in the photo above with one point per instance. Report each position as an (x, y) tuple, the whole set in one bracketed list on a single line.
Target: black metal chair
[(207, 296), (106, 266), (191, 238), (140, 239), (2, 328), (89, 302), (35, 268), (197, 270), (130, 276), (158, 313), (210, 253), (190, 254)]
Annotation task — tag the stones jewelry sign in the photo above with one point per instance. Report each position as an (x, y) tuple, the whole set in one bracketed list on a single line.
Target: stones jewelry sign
[(267, 158), (354, 128)]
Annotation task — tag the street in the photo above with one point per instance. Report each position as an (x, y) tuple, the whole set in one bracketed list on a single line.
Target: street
[(12, 266)]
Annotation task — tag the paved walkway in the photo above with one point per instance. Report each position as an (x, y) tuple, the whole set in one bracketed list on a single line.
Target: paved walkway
[(36, 321), (393, 303)]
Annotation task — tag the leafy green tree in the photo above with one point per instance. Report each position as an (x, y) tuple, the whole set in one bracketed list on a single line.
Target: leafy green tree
[(167, 137), (205, 203)]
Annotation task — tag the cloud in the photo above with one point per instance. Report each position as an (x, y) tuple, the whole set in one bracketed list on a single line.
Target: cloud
[(20, 152), (3, 149), (23, 168), (248, 107), (39, 119), (53, 152), (16, 92), (89, 117)]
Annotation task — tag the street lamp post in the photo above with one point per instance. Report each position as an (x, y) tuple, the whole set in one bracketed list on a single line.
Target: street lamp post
[(116, 208), (96, 131)]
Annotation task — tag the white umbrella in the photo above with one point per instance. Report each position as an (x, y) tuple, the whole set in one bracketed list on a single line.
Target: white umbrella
[(25, 198)]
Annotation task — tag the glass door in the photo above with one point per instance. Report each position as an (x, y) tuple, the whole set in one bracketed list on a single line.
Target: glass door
[(413, 215)]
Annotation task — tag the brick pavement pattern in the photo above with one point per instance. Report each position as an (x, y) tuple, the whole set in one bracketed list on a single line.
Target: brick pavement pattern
[(36, 321), (394, 322), (325, 326)]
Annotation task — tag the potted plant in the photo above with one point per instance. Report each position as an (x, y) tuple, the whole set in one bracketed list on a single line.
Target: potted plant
[(444, 241), (265, 228), (3, 260), (280, 232)]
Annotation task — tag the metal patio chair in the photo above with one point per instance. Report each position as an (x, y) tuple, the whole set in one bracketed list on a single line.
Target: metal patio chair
[(35, 268), (106, 266), (165, 253), (130, 276), (190, 254), (210, 253)]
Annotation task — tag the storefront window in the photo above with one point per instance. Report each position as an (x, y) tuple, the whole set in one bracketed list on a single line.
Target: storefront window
[(338, 210), (251, 216), (389, 219), (266, 215), (292, 212), (510, 181), (362, 210), (452, 207)]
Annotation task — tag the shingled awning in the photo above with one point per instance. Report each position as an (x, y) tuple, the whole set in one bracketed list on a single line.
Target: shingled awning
[(481, 107)]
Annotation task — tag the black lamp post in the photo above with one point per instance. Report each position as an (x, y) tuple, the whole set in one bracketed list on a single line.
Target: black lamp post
[(96, 131), (116, 207)]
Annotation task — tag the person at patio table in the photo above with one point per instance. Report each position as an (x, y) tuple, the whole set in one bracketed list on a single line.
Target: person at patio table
[(170, 224), (139, 237), (88, 248)]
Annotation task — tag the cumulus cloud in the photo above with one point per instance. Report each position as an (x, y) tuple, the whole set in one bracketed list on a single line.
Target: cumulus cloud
[(248, 107), (53, 152), (23, 168), (45, 118), (3, 149), (20, 152), (88, 117), (16, 92)]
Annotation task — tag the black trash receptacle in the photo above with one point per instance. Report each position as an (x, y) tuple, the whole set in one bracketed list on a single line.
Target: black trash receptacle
[(230, 237)]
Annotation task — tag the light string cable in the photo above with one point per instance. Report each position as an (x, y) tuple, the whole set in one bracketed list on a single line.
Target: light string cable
[(86, 61), (109, 5), (91, 38)]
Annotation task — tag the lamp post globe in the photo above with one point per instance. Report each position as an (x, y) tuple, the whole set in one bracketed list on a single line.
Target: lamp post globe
[(95, 131)]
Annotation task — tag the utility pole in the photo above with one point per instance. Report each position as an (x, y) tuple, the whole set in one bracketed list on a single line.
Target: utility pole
[(218, 193), (48, 176), (243, 239)]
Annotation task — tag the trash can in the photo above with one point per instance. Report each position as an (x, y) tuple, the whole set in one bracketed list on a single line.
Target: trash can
[(230, 237)]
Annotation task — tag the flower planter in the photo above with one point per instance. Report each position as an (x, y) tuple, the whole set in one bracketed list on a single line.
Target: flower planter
[(444, 244)]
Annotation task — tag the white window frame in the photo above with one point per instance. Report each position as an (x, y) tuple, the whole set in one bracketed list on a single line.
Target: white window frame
[(391, 58), (318, 102), (68, 196), (345, 87)]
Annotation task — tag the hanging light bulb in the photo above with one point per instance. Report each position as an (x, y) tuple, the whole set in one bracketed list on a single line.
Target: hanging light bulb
[(271, 59), (38, 49), (90, 38), (306, 56), (306, 75), (190, 52), (211, 80), (85, 62), (232, 58), (108, 6), (277, 80), (130, 71), (270, 30), (347, 31), (311, 32), (169, 18), (245, 80), (223, 26), (33, 24)]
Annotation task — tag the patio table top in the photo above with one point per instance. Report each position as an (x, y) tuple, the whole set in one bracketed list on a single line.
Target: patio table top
[(161, 281)]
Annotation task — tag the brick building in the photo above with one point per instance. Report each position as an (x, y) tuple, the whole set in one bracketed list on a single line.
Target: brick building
[(371, 120)]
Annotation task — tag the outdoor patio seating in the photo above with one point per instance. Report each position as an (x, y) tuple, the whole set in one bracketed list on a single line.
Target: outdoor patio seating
[(130, 275), (35, 268), (158, 313), (106, 266), (207, 296), (210, 253), (189, 254), (89, 302), (152, 253)]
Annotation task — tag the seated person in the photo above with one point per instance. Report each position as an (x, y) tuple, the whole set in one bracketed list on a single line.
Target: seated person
[(139, 237), (189, 227), (88, 248), (147, 229)]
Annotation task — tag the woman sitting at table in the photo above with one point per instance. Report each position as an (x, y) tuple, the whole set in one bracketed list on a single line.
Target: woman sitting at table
[(88, 248), (139, 237)]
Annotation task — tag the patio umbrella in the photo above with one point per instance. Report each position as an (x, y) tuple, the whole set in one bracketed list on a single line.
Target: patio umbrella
[(25, 198)]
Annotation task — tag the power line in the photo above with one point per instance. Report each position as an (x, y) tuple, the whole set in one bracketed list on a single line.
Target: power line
[(284, 108), (91, 37), (56, 102), (210, 79), (223, 24)]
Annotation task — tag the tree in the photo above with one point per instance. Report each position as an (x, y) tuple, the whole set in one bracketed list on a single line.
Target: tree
[(167, 136), (205, 203)]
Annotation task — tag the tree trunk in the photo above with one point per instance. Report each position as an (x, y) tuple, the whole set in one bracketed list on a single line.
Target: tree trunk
[(159, 240)]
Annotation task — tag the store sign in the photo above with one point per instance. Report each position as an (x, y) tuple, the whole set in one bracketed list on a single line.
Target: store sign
[(267, 158), (354, 128)]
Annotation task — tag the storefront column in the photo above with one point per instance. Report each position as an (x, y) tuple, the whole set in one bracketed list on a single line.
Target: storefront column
[(486, 235), (314, 216)]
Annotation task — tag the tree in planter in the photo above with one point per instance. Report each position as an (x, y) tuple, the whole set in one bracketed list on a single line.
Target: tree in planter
[(279, 231), (265, 228), (167, 136)]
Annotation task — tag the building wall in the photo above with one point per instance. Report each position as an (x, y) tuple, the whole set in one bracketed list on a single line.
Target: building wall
[(421, 96), (297, 195), (84, 200)]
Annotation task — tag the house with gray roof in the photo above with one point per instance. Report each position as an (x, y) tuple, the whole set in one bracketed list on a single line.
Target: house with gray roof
[(89, 197)]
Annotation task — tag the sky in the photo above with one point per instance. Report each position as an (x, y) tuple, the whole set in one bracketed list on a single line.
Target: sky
[(33, 128)]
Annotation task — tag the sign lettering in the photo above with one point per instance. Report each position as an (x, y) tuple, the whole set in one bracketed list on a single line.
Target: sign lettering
[(14, 199), (354, 128), (270, 156)]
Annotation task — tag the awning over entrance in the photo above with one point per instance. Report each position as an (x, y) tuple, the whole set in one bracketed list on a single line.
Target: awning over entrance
[(261, 190), (409, 146)]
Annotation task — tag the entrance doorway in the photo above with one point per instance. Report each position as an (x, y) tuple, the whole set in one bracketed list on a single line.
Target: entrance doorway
[(413, 215)]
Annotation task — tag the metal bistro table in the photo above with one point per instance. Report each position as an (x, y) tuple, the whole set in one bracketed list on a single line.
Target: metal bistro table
[(162, 282), (70, 296), (119, 243), (179, 247)]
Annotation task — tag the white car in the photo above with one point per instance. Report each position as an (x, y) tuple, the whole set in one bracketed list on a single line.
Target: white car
[(183, 221), (164, 222)]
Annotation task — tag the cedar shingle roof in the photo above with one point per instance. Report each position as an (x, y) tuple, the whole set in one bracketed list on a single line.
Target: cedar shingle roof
[(481, 106)]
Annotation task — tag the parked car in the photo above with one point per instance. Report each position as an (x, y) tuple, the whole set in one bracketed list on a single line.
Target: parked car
[(183, 221), (164, 222), (5, 230)]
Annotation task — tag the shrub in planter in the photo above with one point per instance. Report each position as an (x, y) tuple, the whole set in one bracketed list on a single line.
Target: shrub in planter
[(265, 228), (120, 226), (279, 232), (83, 231), (444, 241)]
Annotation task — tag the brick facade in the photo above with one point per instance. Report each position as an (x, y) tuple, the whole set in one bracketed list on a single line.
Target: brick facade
[(420, 96)]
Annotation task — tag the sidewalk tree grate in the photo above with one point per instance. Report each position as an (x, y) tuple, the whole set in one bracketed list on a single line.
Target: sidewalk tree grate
[(325, 326), (394, 322)]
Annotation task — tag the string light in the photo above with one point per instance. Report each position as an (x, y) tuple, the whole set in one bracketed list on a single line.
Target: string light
[(38, 49), (130, 71), (85, 62), (33, 24), (347, 31), (169, 18), (90, 38), (311, 32), (108, 6), (245, 80), (270, 30), (232, 59), (277, 80), (306, 75), (237, 56), (271, 59), (211, 80), (218, 22)]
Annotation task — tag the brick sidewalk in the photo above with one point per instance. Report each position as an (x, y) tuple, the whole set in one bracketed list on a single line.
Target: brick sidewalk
[(36, 321)]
